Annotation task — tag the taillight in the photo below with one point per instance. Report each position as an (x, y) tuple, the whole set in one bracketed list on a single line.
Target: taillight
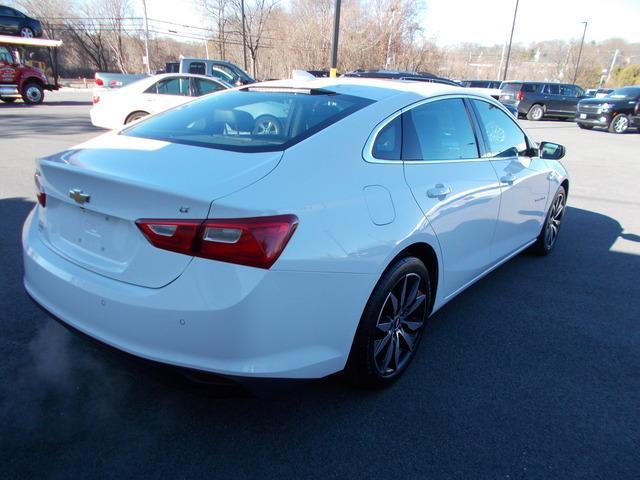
[(520, 95), (95, 99), (99, 82), (256, 241), (40, 193)]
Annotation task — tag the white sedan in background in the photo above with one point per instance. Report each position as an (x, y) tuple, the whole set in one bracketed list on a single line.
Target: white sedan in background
[(114, 108), (196, 239)]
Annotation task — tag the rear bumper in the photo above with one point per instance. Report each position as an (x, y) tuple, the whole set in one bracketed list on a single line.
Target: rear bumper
[(101, 118), (215, 317)]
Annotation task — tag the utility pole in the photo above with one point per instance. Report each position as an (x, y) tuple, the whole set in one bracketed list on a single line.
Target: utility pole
[(333, 73), (244, 36), (146, 36), (513, 26), (613, 63), (584, 32)]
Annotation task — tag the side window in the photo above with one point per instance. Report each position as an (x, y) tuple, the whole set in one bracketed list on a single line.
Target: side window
[(387, 145), (530, 88), (223, 73), (438, 130), (170, 86), (568, 91), (197, 68), (5, 56), (504, 137), (551, 89), (203, 87), (6, 11)]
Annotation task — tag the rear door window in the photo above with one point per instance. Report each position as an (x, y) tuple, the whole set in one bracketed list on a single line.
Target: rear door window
[(530, 88), (438, 130), (204, 87), (198, 68), (551, 89), (170, 86), (250, 120)]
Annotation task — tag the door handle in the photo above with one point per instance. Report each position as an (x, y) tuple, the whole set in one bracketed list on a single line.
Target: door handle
[(509, 178), (439, 191)]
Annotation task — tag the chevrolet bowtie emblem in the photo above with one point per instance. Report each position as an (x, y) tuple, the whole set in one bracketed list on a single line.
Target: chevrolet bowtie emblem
[(78, 196)]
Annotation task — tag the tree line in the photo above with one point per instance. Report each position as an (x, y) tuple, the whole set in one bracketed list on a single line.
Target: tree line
[(101, 35)]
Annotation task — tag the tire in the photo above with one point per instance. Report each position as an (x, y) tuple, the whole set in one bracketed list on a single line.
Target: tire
[(26, 32), (267, 125), (135, 116), (551, 228), (32, 93), (535, 113), (8, 99), (585, 127), (388, 335), (619, 123)]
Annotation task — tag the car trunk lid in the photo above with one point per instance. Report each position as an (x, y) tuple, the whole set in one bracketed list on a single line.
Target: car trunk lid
[(97, 191)]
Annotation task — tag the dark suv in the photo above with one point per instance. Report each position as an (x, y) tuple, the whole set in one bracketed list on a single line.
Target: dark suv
[(617, 111), (537, 100)]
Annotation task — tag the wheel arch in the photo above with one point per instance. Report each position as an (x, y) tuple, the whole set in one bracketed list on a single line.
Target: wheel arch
[(31, 79), (131, 114), (427, 255)]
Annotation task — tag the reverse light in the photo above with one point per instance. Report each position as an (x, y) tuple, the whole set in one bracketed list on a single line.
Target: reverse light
[(255, 241), (40, 193)]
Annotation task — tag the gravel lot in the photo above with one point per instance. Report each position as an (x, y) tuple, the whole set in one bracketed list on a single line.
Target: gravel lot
[(532, 373)]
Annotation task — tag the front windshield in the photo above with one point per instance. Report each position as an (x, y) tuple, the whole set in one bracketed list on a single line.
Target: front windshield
[(626, 92), (257, 119)]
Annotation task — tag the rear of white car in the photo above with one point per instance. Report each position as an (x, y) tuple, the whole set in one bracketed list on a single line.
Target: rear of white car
[(103, 252)]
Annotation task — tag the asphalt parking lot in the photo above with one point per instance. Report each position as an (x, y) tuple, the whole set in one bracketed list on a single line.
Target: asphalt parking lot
[(532, 373)]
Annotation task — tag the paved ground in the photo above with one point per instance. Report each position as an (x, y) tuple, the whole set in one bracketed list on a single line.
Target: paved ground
[(532, 373)]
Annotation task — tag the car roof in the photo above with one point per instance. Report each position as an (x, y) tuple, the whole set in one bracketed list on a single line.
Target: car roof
[(372, 88)]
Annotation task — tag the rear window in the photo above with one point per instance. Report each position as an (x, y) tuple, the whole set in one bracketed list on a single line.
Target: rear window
[(257, 119)]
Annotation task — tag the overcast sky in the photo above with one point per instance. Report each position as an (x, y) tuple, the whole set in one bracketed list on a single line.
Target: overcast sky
[(485, 21)]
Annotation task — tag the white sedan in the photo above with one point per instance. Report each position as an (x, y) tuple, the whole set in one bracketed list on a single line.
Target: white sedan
[(113, 108), (194, 239)]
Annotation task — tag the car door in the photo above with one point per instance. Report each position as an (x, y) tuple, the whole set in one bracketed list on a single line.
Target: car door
[(457, 190), (524, 178), (8, 73), (167, 93), (552, 98), (8, 21), (570, 98)]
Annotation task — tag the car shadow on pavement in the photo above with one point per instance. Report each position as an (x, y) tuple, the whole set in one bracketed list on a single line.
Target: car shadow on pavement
[(543, 344), (47, 103), (14, 125)]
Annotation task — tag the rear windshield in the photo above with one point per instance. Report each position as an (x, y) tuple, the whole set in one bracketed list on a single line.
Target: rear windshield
[(257, 119), (510, 87)]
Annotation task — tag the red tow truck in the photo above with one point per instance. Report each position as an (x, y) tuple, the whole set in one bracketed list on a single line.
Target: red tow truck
[(19, 80)]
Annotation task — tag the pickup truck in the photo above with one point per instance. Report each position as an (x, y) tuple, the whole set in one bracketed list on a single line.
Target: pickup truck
[(18, 80), (228, 72)]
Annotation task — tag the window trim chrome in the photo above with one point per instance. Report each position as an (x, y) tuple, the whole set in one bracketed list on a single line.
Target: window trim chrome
[(367, 151)]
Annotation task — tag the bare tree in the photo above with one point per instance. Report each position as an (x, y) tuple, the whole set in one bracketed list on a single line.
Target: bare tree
[(219, 12), (257, 13)]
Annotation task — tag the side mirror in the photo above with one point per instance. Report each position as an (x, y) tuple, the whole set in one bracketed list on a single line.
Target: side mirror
[(551, 151)]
